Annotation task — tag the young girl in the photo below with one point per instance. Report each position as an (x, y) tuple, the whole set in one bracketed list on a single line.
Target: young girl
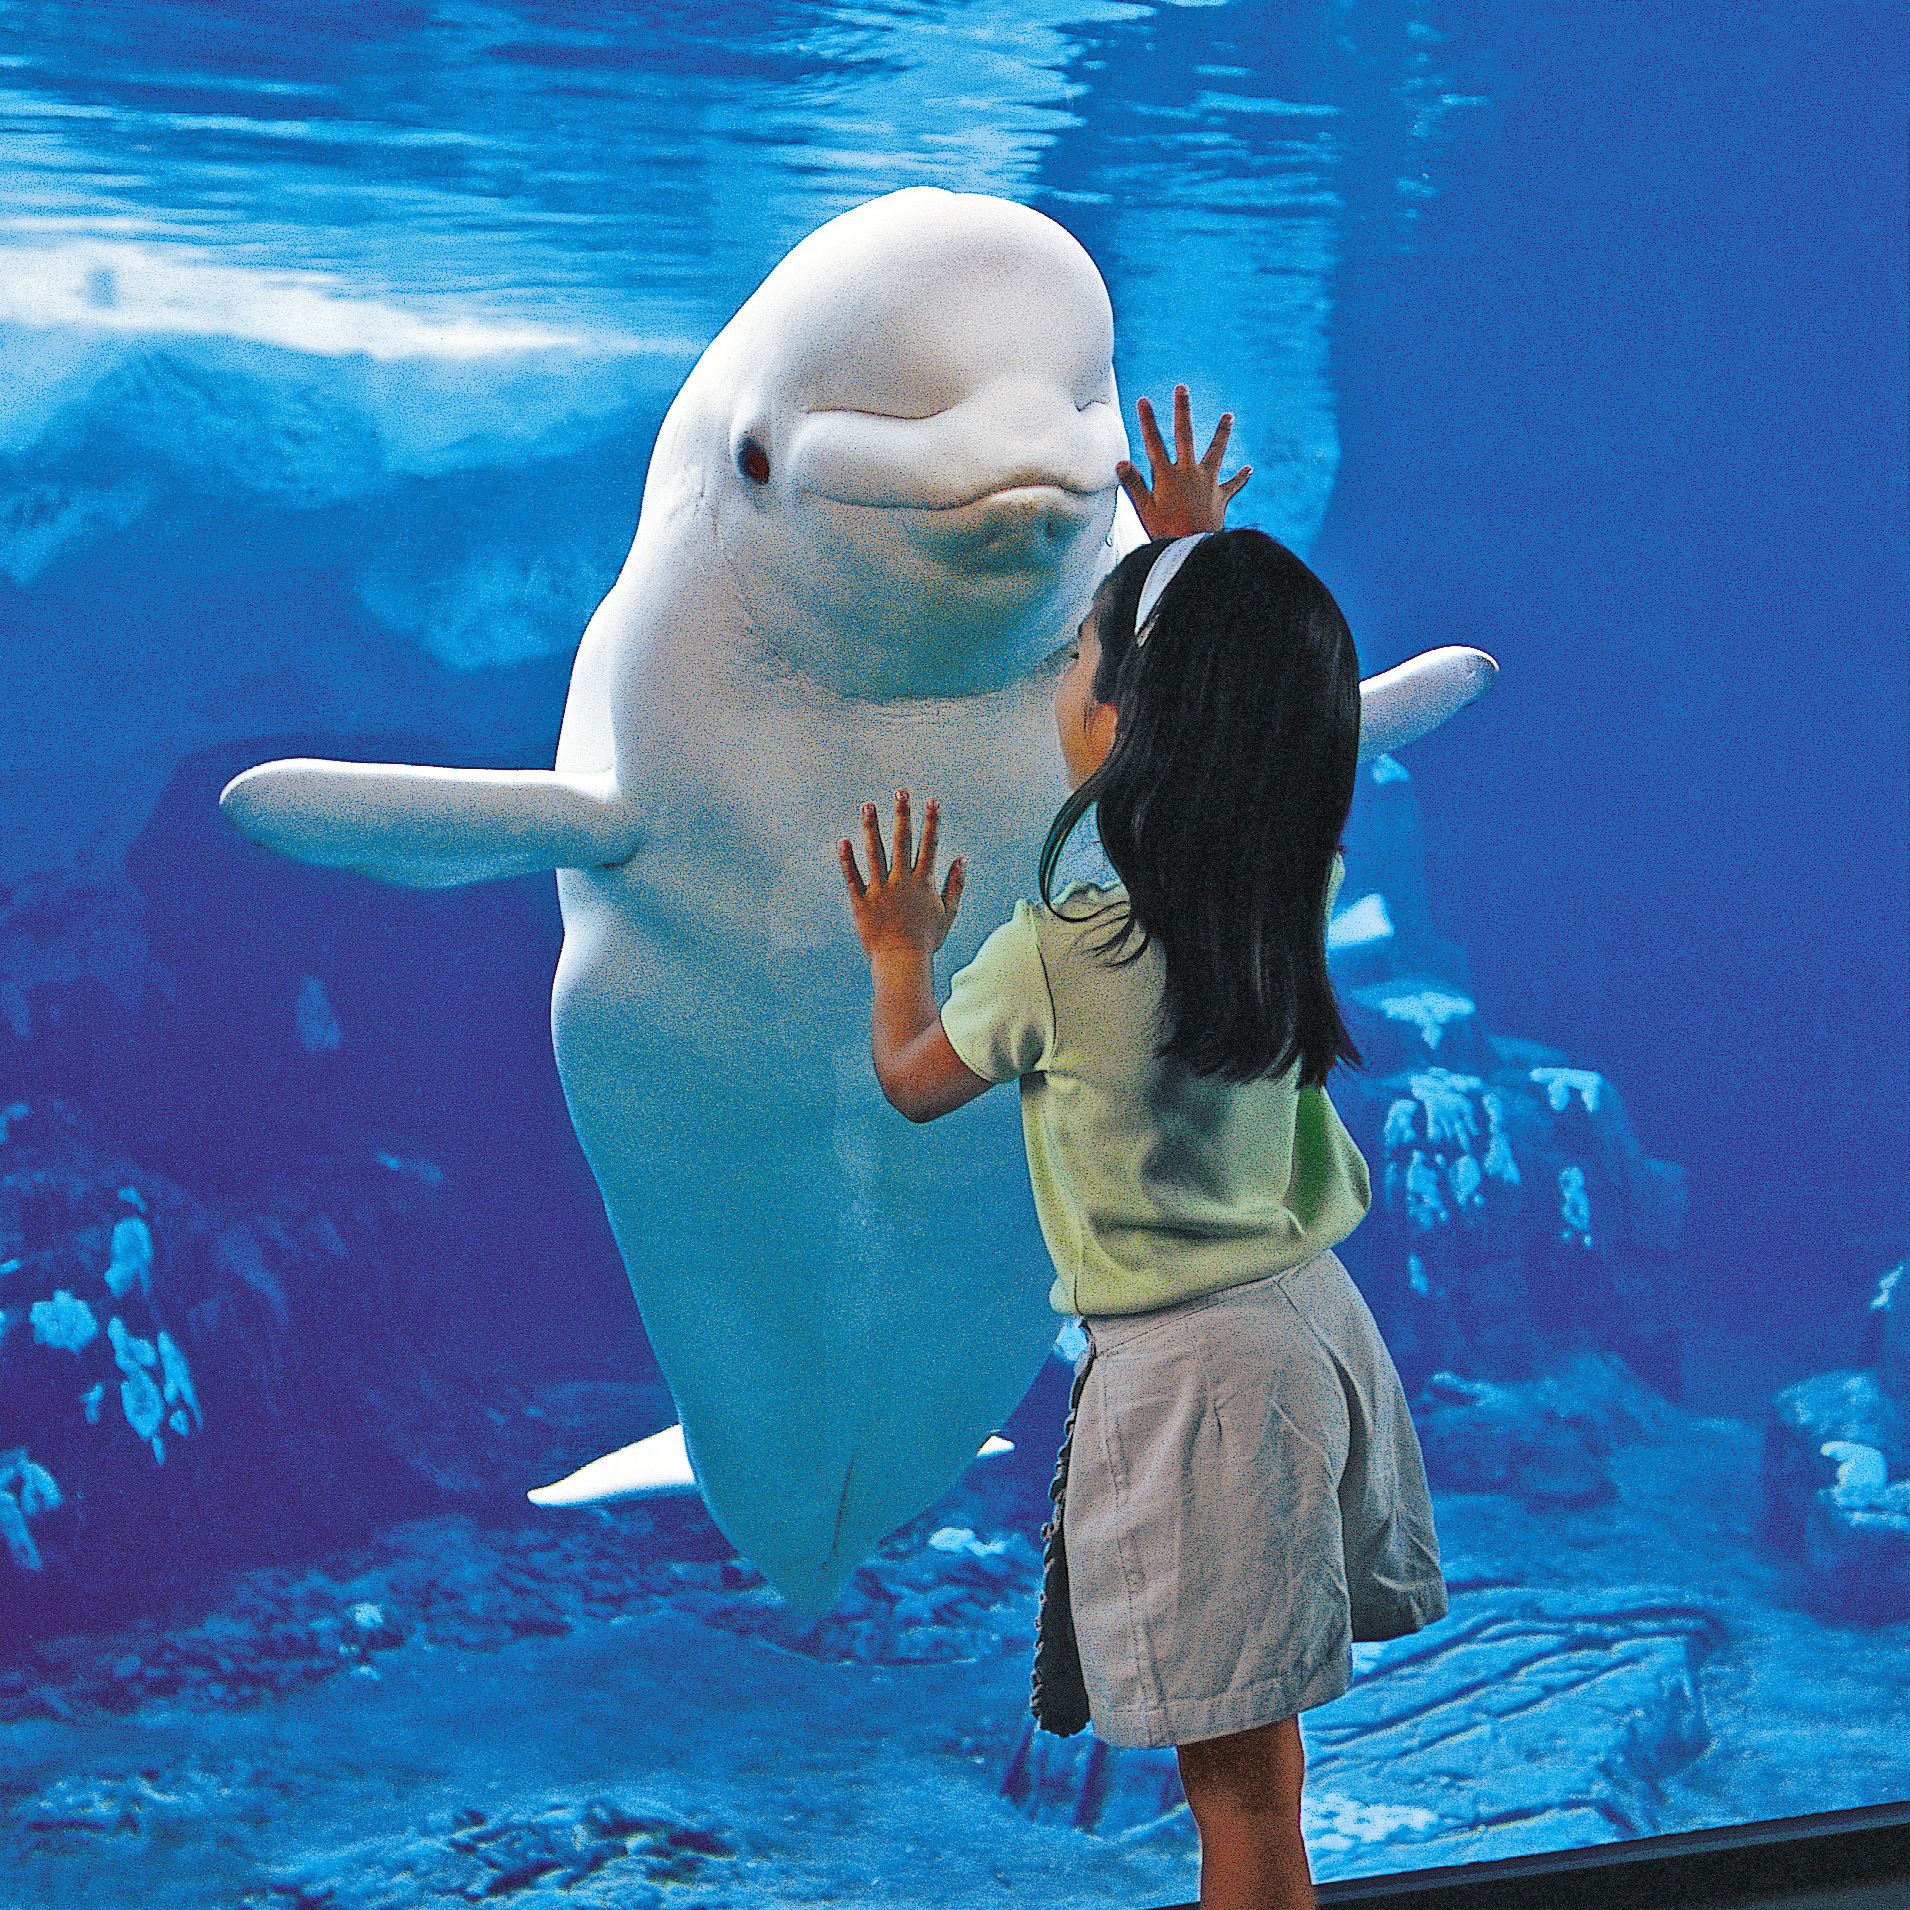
[(1240, 1493)]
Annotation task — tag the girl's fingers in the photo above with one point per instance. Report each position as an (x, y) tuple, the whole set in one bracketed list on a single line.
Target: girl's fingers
[(1235, 482), (872, 845), (901, 861), (931, 828), (1151, 440), (851, 874), (952, 888), (1218, 449), (1183, 426), (1138, 493)]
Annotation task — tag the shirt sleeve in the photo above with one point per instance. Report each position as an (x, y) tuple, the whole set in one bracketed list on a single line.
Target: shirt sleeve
[(999, 1016), (1333, 881)]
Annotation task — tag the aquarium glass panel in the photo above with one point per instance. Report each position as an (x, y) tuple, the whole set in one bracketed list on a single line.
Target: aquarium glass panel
[(366, 1170)]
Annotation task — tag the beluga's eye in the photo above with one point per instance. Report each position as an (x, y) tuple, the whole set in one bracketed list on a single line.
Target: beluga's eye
[(753, 461)]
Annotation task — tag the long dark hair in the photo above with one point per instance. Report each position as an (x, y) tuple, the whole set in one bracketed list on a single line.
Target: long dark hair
[(1222, 800)]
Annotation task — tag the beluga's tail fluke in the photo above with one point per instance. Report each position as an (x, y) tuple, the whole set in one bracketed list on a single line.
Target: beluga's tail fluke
[(657, 1467), (431, 828), (1402, 704)]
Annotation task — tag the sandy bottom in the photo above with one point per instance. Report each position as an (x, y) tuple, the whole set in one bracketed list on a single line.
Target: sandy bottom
[(439, 1774)]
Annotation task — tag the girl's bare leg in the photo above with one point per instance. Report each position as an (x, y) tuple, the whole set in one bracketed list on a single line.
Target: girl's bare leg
[(1244, 1791)]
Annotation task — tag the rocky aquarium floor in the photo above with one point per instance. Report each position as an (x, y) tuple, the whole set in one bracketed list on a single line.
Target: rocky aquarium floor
[(530, 1714)]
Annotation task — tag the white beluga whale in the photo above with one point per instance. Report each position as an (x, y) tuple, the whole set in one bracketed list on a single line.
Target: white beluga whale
[(873, 517)]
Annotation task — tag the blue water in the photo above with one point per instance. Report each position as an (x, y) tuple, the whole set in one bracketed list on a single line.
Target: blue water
[(332, 344)]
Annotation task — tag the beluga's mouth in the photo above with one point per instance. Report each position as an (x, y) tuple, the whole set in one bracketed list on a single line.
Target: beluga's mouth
[(1025, 483), (999, 531), (1013, 527)]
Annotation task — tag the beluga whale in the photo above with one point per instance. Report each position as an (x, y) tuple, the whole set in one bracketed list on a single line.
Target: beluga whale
[(873, 517)]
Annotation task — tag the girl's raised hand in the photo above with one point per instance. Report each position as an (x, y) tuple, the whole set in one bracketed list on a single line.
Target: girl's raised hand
[(1187, 495), (898, 909)]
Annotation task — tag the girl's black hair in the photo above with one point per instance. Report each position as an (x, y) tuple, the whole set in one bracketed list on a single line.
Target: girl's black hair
[(1222, 800)]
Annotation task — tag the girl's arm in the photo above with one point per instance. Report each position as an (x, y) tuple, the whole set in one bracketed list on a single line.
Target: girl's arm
[(920, 1072), (901, 921)]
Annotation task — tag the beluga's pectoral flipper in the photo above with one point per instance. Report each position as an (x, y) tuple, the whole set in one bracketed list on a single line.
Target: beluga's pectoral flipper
[(1404, 703), (432, 828)]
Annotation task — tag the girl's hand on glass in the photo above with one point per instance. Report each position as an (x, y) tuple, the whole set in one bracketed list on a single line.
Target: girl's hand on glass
[(898, 909), (1186, 496)]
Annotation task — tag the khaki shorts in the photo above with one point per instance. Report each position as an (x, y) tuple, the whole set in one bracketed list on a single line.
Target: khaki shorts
[(1239, 1497)]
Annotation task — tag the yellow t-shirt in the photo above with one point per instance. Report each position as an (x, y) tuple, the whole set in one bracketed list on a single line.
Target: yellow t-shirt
[(1152, 1184)]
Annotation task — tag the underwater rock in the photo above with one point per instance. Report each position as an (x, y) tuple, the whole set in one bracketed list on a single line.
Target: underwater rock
[(275, 1629), (1836, 1474), (134, 1807), (1542, 1441), (63, 1321), (26, 1491), (14, 1534), (132, 1261), (1384, 919), (935, 1595), (176, 1377), (1567, 1710), (243, 1259), (224, 1374), (483, 595), (926, 1597), (81, 1265), (1516, 1214), (1515, 1220), (1848, 1405), (606, 1852), (69, 947), (1857, 1546), (1887, 1333), (33, 1483), (39, 522), (1090, 1785), (1415, 1020), (179, 468), (314, 1019), (208, 415)]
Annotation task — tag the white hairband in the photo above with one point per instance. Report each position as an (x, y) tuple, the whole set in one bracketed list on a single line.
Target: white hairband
[(1160, 573)]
